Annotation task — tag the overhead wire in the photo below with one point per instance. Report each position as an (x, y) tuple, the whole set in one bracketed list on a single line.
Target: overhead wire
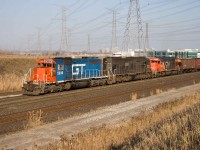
[(103, 25)]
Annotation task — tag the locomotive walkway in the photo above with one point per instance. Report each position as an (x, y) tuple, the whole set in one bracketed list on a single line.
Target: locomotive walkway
[(111, 115)]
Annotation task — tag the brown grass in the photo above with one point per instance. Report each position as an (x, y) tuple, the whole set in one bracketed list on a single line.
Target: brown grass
[(133, 96), (34, 119), (159, 91), (173, 125), (12, 70)]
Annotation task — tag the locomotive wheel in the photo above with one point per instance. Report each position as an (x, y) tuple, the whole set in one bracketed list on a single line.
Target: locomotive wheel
[(67, 86), (36, 92), (129, 78), (60, 88), (97, 82), (92, 83), (148, 76), (53, 88), (124, 78), (102, 82), (109, 82), (118, 79), (162, 74)]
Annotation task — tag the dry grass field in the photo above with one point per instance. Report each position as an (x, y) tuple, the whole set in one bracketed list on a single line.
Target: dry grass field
[(172, 125), (12, 70)]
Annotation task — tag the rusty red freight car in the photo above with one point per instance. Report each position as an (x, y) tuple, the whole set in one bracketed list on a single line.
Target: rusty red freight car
[(188, 64), (197, 63)]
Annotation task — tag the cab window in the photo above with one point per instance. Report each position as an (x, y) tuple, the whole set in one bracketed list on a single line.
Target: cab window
[(60, 67)]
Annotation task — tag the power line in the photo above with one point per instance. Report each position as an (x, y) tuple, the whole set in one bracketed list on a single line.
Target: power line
[(178, 31), (167, 25), (168, 9), (174, 13)]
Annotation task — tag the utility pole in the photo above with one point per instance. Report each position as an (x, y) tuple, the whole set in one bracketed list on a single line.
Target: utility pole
[(50, 44), (28, 43), (114, 28), (64, 40), (88, 45), (134, 10), (69, 40), (147, 37), (39, 40)]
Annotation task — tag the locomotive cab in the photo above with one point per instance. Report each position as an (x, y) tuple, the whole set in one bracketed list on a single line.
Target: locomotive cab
[(156, 65), (44, 72)]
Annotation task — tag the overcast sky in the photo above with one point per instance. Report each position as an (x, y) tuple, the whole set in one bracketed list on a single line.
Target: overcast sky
[(173, 24)]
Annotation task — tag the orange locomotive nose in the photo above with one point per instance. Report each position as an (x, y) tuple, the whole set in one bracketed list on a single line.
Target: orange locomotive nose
[(44, 72), (156, 65)]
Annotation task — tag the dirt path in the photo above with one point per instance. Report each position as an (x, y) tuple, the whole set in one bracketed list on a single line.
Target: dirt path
[(109, 115)]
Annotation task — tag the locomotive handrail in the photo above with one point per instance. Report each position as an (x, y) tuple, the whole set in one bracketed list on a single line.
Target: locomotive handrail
[(37, 77), (44, 77), (88, 73), (27, 76)]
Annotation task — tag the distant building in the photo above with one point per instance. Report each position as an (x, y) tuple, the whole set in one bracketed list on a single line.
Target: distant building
[(183, 53)]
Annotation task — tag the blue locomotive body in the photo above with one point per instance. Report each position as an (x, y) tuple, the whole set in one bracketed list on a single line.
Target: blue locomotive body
[(69, 69)]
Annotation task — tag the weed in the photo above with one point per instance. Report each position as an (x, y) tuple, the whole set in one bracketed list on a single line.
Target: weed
[(34, 119), (172, 125)]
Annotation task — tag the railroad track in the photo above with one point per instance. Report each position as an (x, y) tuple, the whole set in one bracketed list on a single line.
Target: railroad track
[(76, 101)]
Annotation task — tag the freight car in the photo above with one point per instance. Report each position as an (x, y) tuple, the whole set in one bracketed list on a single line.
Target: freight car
[(188, 65), (197, 64), (59, 74)]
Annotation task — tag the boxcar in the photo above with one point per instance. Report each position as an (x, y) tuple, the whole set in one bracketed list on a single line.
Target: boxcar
[(188, 64), (197, 63)]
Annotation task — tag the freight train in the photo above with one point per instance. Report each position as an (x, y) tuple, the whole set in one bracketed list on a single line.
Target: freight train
[(60, 74)]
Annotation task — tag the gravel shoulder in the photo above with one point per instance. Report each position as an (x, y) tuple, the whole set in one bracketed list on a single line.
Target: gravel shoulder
[(108, 115)]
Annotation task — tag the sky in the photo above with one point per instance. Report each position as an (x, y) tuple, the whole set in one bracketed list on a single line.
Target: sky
[(37, 24)]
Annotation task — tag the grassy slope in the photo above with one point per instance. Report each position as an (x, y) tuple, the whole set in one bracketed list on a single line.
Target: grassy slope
[(12, 70), (174, 125)]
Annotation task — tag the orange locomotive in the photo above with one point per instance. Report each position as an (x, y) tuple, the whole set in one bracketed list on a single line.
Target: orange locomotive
[(44, 72), (156, 65)]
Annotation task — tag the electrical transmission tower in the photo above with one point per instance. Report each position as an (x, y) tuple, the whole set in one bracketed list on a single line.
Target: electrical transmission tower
[(50, 44), (69, 40), (88, 45), (39, 40), (28, 43), (132, 31), (64, 39), (147, 36), (114, 28)]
